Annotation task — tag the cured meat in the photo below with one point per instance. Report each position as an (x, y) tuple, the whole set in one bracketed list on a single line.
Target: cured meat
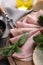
[(18, 31), (28, 24), (15, 39), (40, 12), (27, 48), (33, 17), (25, 25)]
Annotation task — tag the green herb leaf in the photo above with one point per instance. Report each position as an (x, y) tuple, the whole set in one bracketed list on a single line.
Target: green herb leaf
[(38, 39), (12, 50), (9, 50), (4, 52), (40, 20), (22, 40), (40, 47), (18, 50)]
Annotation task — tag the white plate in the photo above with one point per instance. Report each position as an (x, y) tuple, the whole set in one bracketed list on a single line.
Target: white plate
[(38, 57)]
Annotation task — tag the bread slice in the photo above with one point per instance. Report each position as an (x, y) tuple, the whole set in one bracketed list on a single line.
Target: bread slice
[(38, 56)]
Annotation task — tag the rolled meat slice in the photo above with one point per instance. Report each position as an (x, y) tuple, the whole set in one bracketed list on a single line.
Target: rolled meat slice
[(27, 48), (32, 20), (33, 17), (16, 38), (19, 31), (40, 12), (25, 25)]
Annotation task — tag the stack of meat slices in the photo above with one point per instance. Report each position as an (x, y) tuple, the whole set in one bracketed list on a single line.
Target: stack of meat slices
[(29, 24)]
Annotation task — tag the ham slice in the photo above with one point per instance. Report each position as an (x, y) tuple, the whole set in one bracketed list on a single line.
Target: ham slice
[(40, 12), (18, 31), (25, 25), (27, 48), (15, 39), (33, 17)]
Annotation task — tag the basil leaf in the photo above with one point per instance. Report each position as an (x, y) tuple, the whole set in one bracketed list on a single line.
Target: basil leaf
[(40, 20), (40, 47), (22, 40), (10, 49), (38, 39), (6, 51), (18, 50)]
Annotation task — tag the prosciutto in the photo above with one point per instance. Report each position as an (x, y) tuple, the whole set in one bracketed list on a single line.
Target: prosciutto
[(19, 31), (29, 24), (33, 18), (16, 38), (27, 48), (25, 25)]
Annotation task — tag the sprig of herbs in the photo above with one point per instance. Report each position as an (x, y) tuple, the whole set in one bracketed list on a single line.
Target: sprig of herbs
[(39, 41), (40, 20), (40, 47), (10, 49), (22, 40)]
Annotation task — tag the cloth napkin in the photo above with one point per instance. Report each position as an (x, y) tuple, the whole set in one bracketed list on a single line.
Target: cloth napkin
[(13, 13)]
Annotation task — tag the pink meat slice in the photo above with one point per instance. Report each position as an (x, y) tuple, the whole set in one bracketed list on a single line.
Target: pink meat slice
[(25, 25), (33, 17), (15, 39), (40, 12), (27, 48), (18, 31)]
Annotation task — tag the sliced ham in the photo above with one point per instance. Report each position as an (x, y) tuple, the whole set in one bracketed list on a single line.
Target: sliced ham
[(15, 39), (25, 25), (27, 48), (40, 12), (18, 31), (33, 17)]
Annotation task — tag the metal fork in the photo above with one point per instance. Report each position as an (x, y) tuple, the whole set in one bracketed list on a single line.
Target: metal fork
[(9, 21)]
